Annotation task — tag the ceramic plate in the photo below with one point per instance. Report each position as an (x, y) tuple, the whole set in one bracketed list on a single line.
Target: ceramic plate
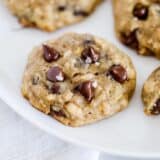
[(129, 133)]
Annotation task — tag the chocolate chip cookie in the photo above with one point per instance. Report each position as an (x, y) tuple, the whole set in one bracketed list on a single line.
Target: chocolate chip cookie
[(78, 79), (151, 93), (137, 24), (50, 15)]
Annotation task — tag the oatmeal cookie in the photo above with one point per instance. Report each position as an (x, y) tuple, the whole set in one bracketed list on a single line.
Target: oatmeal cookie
[(137, 24), (50, 15), (151, 93), (78, 79)]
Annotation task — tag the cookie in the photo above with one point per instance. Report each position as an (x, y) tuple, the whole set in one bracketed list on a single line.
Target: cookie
[(137, 24), (50, 15), (151, 93), (78, 79)]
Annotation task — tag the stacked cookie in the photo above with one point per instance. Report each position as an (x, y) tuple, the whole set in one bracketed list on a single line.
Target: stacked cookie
[(80, 78)]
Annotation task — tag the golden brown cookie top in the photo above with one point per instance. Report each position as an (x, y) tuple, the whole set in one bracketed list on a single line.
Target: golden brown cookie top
[(50, 15), (79, 75)]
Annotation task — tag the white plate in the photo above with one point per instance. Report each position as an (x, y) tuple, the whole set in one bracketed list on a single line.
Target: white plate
[(129, 133)]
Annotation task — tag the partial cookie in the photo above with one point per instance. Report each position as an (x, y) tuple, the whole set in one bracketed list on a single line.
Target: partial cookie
[(50, 15), (79, 79), (151, 93), (137, 24)]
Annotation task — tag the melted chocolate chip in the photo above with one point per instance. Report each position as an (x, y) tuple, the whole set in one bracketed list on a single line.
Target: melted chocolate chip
[(50, 54), (156, 108), (141, 11), (90, 55), (80, 13), (130, 39), (55, 89), (87, 90), (61, 8), (118, 73), (55, 74)]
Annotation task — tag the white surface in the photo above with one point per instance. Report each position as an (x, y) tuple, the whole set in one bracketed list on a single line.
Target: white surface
[(129, 134), (22, 141)]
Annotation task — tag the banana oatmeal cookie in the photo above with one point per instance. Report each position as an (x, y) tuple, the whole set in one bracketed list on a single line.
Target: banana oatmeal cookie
[(78, 79)]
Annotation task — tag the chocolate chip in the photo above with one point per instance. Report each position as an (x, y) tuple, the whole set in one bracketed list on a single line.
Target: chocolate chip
[(50, 54), (141, 11), (35, 80), (87, 90), (156, 108), (59, 113), (80, 13), (55, 89), (90, 55), (130, 39), (118, 73), (61, 8), (88, 42), (55, 74)]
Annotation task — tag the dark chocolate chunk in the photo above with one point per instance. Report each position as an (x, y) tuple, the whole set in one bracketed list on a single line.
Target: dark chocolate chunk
[(141, 11), (55, 74), (156, 108), (130, 39), (90, 55), (55, 89), (87, 90), (61, 8), (50, 54), (118, 73)]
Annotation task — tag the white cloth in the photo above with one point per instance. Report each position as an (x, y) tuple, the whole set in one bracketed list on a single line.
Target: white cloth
[(20, 140)]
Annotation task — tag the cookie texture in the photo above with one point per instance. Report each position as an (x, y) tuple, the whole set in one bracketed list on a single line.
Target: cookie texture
[(151, 93), (137, 24), (78, 79), (50, 15)]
